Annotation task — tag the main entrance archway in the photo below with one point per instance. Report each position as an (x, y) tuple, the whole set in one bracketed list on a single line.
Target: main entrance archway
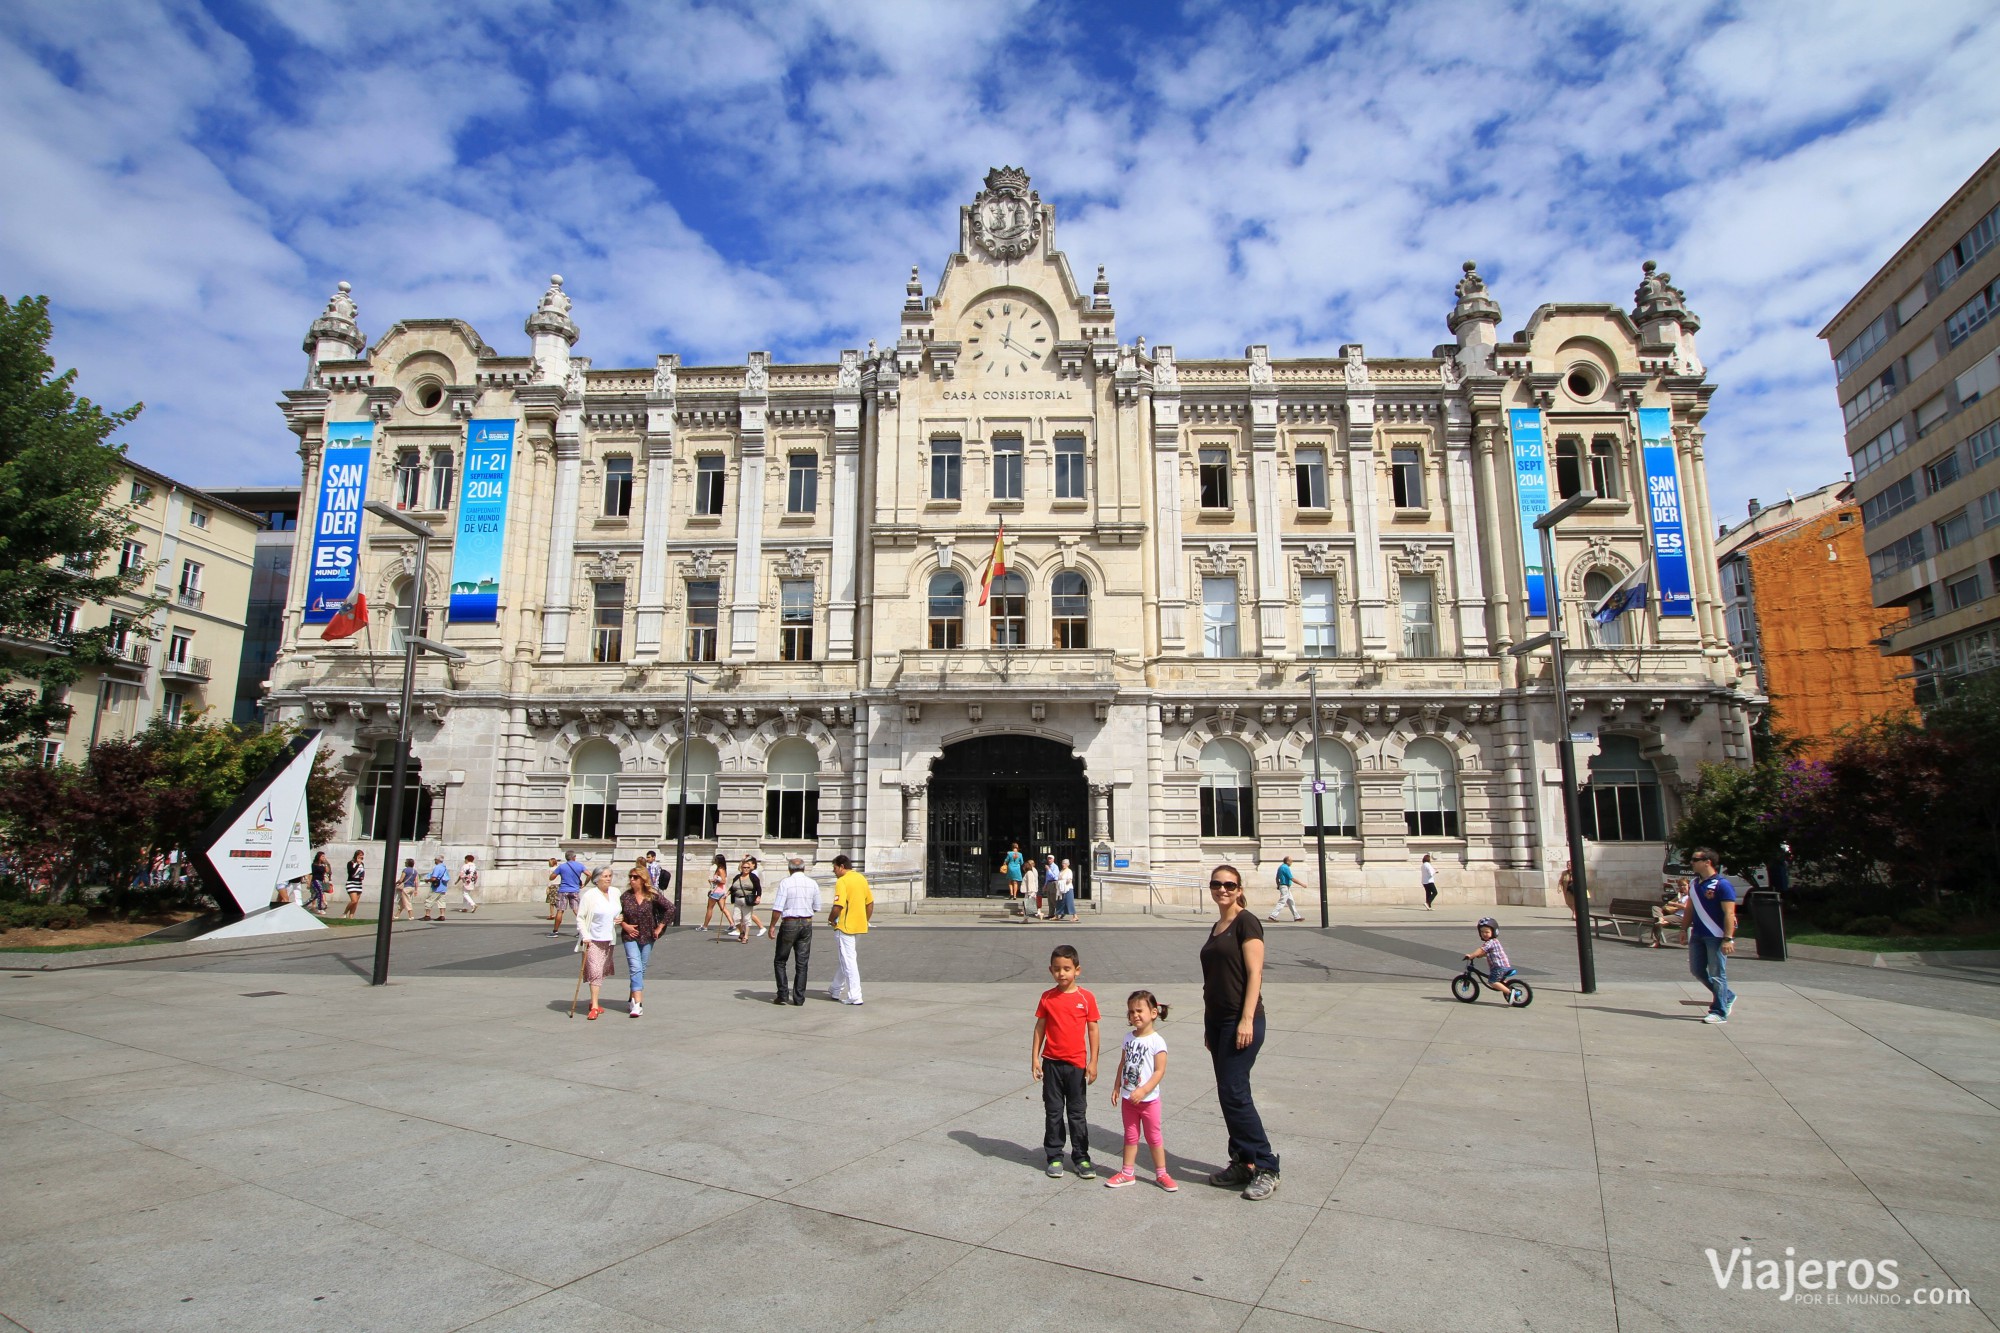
[(993, 791)]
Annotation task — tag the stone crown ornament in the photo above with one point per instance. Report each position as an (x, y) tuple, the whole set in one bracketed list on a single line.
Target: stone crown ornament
[(1007, 215)]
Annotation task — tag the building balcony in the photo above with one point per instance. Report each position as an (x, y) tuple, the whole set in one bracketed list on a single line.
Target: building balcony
[(186, 668), (190, 598), (923, 672)]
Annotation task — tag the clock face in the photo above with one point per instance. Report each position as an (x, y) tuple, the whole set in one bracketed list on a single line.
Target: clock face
[(1007, 337)]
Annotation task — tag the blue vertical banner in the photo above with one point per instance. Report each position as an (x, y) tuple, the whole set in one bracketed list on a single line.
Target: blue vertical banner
[(1663, 508), (343, 485), (1531, 488), (482, 522)]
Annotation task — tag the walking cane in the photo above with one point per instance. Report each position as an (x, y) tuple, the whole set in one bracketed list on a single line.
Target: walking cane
[(580, 957)]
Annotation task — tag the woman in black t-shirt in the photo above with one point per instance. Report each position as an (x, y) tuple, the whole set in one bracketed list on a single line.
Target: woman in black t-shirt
[(1232, 984)]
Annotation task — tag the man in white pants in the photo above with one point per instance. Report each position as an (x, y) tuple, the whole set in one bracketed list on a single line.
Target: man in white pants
[(853, 909)]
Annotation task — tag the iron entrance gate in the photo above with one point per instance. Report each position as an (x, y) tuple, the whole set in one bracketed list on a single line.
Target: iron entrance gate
[(989, 793)]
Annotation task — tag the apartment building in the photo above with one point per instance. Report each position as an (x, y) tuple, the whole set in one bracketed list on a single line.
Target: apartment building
[(1917, 356), (199, 550)]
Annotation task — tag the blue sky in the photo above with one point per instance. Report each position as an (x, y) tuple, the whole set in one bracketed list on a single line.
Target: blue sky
[(188, 181)]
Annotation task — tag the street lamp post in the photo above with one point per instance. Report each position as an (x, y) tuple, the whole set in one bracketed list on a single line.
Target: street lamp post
[(1586, 963), (681, 819), (1319, 799), (385, 914)]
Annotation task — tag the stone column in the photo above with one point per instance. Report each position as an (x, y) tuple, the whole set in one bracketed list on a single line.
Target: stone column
[(745, 603), (842, 582), (1362, 489), (659, 455), (913, 811), (562, 524), (1167, 508), (1497, 539), (1272, 590), (1100, 812), (1467, 539), (1698, 522)]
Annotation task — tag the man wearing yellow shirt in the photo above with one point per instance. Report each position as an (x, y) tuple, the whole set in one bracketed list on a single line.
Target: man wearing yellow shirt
[(853, 908)]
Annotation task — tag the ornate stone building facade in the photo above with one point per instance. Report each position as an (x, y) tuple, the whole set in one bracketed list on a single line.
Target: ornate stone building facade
[(1183, 540)]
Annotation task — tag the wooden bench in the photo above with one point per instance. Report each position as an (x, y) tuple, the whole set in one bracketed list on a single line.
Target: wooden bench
[(1637, 912)]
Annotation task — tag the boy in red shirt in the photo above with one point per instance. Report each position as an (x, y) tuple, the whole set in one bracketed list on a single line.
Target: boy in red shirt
[(1066, 1043)]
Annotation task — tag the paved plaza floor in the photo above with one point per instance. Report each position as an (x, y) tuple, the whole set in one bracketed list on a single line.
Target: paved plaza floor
[(259, 1140)]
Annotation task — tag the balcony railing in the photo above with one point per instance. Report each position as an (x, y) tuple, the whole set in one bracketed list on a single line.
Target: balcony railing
[(190, 668), (189, 597)]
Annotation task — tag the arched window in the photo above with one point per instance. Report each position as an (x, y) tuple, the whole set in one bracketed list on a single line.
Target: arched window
[(697, 816), (1007, 611), (1228, 805), (371, 796), (1597, 585), (1622, 802), (791, 792), (593, 791), (1430, 790), (947, 594), (1336, 771), (1069, 610)]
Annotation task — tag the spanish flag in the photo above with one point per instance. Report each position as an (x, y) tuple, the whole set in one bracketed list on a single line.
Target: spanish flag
[(996, 566)]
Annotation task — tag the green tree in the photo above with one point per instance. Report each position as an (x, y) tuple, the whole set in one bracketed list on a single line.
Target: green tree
[(56, 528), (1732, 809)]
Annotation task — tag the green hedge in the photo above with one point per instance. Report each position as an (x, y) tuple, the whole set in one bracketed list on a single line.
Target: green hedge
[(47, 916)]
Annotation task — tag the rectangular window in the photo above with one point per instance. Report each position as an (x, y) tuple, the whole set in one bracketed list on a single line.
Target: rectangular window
[(174, 707), (1881, 449), (1858, 349), (1910, 302), (947, 457), (1069, 612), (1406, 477), (132, 557), (1951, 531), (51, 753), (1898, 555), (617, 488), (795, 620), (1964, 592), (1921, 358), (1977, 380), (189, 591), (1989, 509), (1006, 467), (63, 623), (409, 480), (1309, 469), (1984, 445), (1973, 314), (1069, 467), (791, 807), (607, 623), (1900, 496), (1967, 251), (198, 518), (1218, 617), (1320, 638), (1873, 394), (1941, 472), (1569, 466), (1419, 616), (142, 494), (1214, 478), (1604, 467), (444, 479), (178, 645), (802, 483), (1932, 412), (1007, 612), (1227, 809), (708, 485), (704, 596)]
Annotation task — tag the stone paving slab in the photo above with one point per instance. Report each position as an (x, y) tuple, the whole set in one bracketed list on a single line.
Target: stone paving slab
[(186, 1150)]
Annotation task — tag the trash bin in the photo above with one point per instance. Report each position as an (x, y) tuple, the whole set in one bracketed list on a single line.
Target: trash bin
[(1767, 917)]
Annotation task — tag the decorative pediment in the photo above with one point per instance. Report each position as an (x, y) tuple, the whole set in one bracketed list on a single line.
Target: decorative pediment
[(1415, 558), (1220, 559)]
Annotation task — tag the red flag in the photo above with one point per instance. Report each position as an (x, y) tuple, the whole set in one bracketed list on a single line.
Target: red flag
[(997, 565), (351, 618)]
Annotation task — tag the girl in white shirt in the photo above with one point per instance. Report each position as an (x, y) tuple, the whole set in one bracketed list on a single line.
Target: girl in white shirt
[(1136, 1091), (468, 884), (596, 931), (1066, 892)]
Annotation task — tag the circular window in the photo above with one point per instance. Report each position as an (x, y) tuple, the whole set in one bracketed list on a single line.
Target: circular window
[(1581, 382), (429, 394)]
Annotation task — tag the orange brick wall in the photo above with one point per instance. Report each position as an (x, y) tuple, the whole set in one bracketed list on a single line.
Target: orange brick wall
[(1815, 620)]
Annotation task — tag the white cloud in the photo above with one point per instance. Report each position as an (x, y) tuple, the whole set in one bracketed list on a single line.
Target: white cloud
[(713, 179)]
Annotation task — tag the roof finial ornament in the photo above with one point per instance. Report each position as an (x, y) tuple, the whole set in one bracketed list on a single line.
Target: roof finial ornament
[(1100, 292), (1657, 298), (336, 334), (552, 315), (913, 291)]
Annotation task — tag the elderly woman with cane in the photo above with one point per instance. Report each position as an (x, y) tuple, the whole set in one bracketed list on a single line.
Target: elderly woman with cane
[(597, 931)]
